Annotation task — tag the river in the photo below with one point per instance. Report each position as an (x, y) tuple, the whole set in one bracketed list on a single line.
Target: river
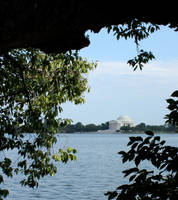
[(97, 170)]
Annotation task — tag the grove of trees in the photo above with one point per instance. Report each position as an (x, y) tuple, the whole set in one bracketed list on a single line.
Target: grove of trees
[(142, 127), (79, 127)]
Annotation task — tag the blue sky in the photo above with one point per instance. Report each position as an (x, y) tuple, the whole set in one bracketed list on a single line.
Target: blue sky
[(117, 90)]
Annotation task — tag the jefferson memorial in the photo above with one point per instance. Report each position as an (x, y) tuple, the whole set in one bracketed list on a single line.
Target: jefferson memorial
[(121, 121)]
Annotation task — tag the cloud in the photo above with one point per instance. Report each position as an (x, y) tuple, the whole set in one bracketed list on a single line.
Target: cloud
[(164, 74), (118, 68), (117, 79), (112, 69)]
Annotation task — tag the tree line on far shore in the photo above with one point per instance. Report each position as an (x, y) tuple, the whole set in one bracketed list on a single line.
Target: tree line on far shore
[(142, 127), (79, 127)]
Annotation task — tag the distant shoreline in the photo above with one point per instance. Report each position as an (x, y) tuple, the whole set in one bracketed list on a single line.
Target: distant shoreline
[(115, 132), (105, 128)]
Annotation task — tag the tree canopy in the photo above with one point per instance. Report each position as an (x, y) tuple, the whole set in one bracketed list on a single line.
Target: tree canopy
[(58, 26), (142, 127), (79, 127), (33, 85)]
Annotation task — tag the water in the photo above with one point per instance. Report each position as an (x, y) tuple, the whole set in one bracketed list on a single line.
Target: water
[(97, 170)]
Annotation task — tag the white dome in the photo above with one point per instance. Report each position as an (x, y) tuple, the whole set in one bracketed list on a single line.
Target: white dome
[(124, 118), (120, 122)]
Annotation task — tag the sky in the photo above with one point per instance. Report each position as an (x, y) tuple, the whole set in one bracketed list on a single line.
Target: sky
[(118, 90)]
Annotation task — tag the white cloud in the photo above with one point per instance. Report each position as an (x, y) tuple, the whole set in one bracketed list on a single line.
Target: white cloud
[(164, 69), (159, 73), (112, 68)]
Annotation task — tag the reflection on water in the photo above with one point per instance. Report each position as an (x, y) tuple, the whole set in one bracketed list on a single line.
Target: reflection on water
[(97, 170)]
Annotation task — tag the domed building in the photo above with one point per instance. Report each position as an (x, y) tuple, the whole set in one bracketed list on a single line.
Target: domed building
[(120, 122)]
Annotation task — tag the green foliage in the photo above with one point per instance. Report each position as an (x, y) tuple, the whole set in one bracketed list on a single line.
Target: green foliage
[(142, 127), (160, 182), (79, 127), (138, 31), (33, 85), (142, 58), (172, 118), (134, 29)]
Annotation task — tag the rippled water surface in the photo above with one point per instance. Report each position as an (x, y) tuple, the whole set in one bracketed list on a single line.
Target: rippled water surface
[(97, 170)]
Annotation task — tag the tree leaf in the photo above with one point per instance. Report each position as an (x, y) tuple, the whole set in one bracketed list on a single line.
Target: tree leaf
[(175, 94), (149, 133)]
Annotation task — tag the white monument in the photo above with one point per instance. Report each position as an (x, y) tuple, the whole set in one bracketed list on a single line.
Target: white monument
[(120, 122)]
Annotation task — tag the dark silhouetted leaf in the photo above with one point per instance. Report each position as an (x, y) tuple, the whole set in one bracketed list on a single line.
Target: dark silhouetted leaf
[(149, 133), (175, 94)]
